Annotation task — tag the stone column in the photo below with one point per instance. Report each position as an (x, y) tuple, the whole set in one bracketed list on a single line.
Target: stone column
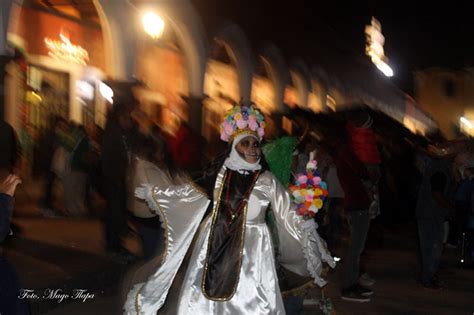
[(119, 22)]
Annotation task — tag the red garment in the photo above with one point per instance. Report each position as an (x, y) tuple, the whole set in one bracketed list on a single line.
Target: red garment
[(350, 172), (363, 144), (183, 148)]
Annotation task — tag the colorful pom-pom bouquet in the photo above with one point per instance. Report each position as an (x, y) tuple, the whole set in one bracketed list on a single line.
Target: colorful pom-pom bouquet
[(309, 191)]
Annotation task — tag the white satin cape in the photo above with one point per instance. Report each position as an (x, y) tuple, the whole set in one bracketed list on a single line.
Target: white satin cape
[(181, 209)]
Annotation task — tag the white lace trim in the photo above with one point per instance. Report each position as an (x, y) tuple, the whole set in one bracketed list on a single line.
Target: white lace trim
[(315, 251), (133, 303)]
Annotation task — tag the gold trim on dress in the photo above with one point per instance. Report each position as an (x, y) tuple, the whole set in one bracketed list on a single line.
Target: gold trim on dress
[(228, 298), (242, 239), (214, 218), (165, 251), (165, 223), (198, 188), (137, 307)]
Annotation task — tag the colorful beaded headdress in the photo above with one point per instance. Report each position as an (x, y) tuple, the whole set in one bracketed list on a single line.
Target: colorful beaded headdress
[(242, 120)]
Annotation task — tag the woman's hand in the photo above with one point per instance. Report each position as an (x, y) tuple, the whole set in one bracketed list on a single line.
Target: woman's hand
[(8, 186)]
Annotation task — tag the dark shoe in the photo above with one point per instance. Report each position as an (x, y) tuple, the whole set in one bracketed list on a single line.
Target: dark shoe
[(50, 213), (350, 294), (363, 290), (121, 256), (14, 232), (444, 272), (451, 246), (438, 282), (366, 280), (432, 286)]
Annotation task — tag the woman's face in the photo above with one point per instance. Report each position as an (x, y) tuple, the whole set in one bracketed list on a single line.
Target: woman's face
[(249, 149)]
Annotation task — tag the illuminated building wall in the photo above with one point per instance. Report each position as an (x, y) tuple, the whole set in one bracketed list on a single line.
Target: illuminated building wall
[(447, 96), (290, 97), (34, 26), (163, 71), (263, 94), (184, 68)]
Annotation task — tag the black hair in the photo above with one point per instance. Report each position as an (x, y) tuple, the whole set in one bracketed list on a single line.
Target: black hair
[(147, 147)]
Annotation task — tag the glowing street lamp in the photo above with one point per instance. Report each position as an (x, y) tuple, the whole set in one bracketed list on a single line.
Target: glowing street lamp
[(153, 25)]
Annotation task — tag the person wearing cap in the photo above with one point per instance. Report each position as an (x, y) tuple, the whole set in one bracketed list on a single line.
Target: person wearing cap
[(231, 269)]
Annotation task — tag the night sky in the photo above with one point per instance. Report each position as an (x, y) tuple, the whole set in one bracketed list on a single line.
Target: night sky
[(418, 34)]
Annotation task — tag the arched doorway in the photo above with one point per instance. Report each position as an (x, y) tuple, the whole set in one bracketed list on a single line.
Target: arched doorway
[(160, 65), (301, 80), (227, 80), (183, 46), (264, 95), (268, 87), (62, 64), (222, 91)]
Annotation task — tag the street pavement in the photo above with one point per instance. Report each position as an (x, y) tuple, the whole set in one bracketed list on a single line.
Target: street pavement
[(62, 262)]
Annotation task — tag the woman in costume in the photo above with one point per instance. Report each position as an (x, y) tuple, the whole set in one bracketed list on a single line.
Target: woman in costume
[(150, 164), (232, 266)]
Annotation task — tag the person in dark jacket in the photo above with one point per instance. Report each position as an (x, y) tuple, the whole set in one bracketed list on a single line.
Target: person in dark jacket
[(9, 150), (432, 209), (115, 159), (10, 287), (7, 190)]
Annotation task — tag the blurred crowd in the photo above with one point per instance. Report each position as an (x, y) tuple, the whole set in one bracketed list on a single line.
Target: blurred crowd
[(375, 174)]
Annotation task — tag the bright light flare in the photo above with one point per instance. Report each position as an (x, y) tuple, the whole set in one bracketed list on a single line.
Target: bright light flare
[(466, 122), (84, 90), (106, 92), (385, 68), (153, 25), (374, 47)]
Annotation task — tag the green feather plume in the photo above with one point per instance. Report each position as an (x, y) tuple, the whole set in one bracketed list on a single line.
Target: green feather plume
[(279, 155)]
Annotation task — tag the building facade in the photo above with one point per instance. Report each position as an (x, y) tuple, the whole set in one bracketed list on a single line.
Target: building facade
[(448, 96), (72, 47)]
